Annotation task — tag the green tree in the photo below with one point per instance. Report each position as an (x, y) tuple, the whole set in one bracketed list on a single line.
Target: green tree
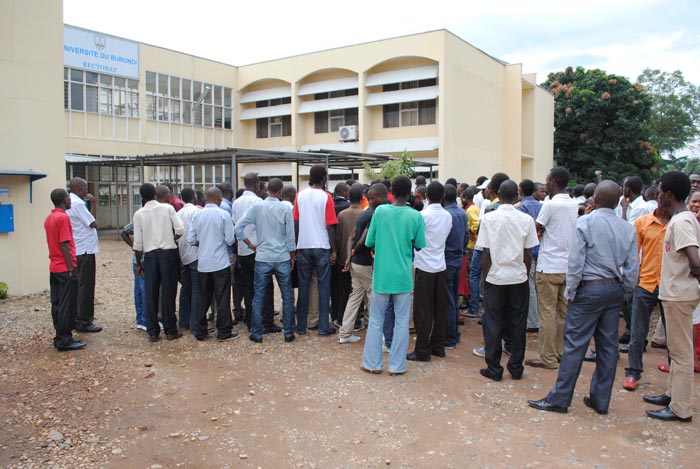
[(674, 121), (392, 168), (599, 124)]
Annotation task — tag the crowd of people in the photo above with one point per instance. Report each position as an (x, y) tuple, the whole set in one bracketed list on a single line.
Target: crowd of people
[(562, 262)]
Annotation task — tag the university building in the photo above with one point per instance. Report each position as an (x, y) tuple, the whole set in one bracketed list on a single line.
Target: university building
[(100, 97)]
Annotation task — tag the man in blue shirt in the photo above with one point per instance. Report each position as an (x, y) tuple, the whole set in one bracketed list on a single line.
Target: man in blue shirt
[(212, 231), (532, 207), (603, 264), (275, 253), (454, 251)]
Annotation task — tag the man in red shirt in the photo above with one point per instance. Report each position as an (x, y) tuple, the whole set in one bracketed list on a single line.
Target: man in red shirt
[(63, 277)]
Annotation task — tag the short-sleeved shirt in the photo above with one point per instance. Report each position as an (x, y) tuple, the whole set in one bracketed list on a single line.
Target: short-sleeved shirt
[(394, 232), (364, 256), (506, 232), (677, 282), (314, 210), (84, 235), (650, 242), (59, 230), (347, 221), (558, 216), (438, 223), (240, 205), (473, 223)]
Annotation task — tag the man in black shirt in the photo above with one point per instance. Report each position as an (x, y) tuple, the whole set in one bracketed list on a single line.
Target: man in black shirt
[(359, 263)]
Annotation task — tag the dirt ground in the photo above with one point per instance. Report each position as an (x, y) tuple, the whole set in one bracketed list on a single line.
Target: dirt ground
[(124, 402)]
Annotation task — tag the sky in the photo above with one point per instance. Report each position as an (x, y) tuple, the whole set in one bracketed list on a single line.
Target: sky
[(622, 37)]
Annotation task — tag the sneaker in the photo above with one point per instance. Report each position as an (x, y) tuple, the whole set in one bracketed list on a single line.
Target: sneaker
[(385, 349), (479, 352), (663, 367), (140, 327), (231, 336), (337, 323), (349, 340), (358, 326), (470, 315), (174, 336), (211, 327), (630, 383)]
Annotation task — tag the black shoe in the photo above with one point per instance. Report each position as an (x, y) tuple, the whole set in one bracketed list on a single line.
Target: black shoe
[(174, 335), (313, 328), (330, 331), (289, 338), (201, 338), (75, 345), (668, 415), (414, 357), (516, 377), (89, 328), (153, 338), (487, 374), (235, 322), (227, 338), (544, 404), (274, 329), (460, 322), (624, 348), (438, 353), (662, 400), (589, 403), (464, 306), (590, 357), (257, 340), (532, 329), (624, 339)]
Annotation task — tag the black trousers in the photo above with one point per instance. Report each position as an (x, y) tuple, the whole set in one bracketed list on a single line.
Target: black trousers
[(341, 284), (505, 315), (248, 290), (64, 291), (214, 286), (160, 275), (86, 290), (429, 312)]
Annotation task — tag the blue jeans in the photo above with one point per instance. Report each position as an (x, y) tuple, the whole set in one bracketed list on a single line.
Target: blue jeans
[(388, 327), (595, 312), (474, 281), (307, 261), (372, 356), (139, 297), (189, 278), (263, 275), (643, 304), (452, 305)]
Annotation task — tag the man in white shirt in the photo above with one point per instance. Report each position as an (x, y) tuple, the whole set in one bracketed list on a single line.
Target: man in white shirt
[(632, 204), (506, 237), (555, 225), (155, 228), (188, 258), (429, 296), (314, 214), (85, 234)]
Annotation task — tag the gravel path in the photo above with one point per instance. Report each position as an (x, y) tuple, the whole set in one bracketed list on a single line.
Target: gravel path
[(123, 402)]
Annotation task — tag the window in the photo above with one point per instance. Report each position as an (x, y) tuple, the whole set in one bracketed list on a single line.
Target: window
[(331, 121), (413, 112), (278, 126), (100, 93), (182, 101)]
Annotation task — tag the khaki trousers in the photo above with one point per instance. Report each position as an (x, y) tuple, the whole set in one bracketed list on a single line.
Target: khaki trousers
[(551, 304), (361, 287), (679, 334), (313, 301)]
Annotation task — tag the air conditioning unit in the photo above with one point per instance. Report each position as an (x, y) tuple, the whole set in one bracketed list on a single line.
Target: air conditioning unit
[(348, 133)]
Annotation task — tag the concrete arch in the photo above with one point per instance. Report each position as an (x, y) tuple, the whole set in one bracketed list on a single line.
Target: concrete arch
[(329, 73), (399, 62), (264, 83)]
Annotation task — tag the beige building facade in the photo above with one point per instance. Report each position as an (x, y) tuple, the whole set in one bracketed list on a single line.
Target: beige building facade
[(432, 94)]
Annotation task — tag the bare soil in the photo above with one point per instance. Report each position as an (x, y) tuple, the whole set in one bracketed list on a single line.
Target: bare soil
[(124, 402)]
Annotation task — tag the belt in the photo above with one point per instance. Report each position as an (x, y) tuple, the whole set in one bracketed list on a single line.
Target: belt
[(600, 281)]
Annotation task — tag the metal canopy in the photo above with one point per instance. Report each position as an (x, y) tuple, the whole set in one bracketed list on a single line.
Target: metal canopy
[(335, 159), (32, 175)]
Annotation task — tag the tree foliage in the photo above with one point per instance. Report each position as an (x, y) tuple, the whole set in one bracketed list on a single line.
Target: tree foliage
[(599, 122), (392, 168), (674, 121)]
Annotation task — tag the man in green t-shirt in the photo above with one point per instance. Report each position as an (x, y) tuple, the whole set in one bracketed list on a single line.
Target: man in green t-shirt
[(394, 232)]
